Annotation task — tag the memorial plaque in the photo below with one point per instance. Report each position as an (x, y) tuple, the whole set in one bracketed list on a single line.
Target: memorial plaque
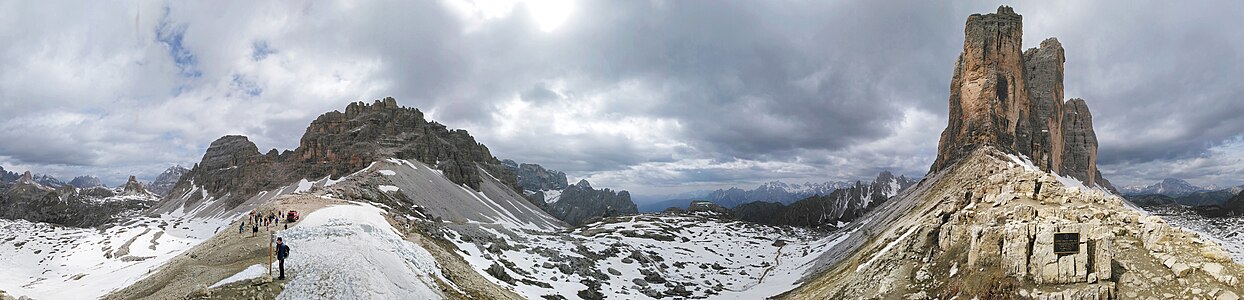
[(1066, 243)]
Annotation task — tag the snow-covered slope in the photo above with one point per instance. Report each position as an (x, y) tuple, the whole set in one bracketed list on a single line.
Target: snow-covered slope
[(351, 252), (198, 203), (645, 257), (46, 261), (419, 185)]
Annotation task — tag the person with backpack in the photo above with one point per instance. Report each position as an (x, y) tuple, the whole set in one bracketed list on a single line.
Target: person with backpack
[(282, 252)]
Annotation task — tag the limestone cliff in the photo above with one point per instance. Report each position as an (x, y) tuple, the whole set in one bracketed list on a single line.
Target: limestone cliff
[(988, 224), (1013, 100), (337, 144)]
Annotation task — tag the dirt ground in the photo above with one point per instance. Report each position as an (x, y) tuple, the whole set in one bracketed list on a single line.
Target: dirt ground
[(188, 275)]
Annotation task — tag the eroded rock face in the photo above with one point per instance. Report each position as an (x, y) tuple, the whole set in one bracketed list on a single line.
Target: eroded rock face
[(1013, 101), (1043, 134), (167, 180), (84, 182), (337, 144), (987, 95), (580, 203), (27, 199), (533, 177), (1080, 152)]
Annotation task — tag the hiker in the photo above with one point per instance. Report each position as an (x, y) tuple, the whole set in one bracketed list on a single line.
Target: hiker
[(282, 251), (254, 229), (241, 225)]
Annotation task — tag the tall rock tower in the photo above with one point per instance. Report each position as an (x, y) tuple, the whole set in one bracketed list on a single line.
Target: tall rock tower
[(1013, 100)]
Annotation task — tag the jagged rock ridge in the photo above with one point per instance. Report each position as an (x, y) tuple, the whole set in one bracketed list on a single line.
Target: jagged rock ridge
[(336, 144), (167, 180), (6, 176), (1013, 100), (533, 177), (841, 205), (84, 182), (28, 199), (574, 204)]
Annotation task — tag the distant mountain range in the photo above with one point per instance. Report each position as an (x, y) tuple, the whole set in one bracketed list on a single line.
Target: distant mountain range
[(834, 209), (29, 199), (1173, 187), (160, 186), (576, 203), (1177, 191), (773, 192)]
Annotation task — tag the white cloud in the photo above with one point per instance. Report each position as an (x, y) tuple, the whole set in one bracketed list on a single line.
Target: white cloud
[(632, 95)]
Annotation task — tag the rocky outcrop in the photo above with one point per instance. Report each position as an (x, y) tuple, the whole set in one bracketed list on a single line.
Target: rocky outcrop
[(533, 177), (6, 176), (1042, 134), (84, 182), (133, 188), (48, 181), (337, 144), (572, 203), (580, 203), (842, 205), (27, 199), (232, 165), (1080, 152), (167, 180), (1013, 101)]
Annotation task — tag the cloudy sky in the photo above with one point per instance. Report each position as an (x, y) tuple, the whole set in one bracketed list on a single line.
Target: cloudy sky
[(649, 96)]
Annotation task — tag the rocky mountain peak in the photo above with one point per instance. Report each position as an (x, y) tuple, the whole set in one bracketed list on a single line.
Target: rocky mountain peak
[(167, 180), (583, 184), (1013, 100), (133, 187), (6, 176), (26, 178), (85, 182), (533, 177), (337, 144)]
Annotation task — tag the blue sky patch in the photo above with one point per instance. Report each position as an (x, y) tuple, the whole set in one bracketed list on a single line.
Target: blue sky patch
[(172, 36)]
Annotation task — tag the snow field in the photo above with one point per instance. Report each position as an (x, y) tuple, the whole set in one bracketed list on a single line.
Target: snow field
[(719, 259), (252, 271), (44, 261), (351, 252)]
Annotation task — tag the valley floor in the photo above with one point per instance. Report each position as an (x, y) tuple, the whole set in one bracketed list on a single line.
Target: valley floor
[(1227, 232), (56, 262)]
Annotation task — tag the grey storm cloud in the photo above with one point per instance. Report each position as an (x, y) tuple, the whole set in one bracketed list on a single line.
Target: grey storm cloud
[(642, 95)]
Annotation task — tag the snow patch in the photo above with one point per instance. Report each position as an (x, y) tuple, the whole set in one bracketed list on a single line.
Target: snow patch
[(551, 196), (887, 248), (303, 186), (252, 271), (388, 188), (387, 172), (351, 252)]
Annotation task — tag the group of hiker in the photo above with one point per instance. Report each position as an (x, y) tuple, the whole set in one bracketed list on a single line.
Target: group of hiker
[(268, 219)]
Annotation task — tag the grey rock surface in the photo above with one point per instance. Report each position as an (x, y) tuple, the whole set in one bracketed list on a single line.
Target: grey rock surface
[(1013, 101), (83, 182), (167, 180)]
